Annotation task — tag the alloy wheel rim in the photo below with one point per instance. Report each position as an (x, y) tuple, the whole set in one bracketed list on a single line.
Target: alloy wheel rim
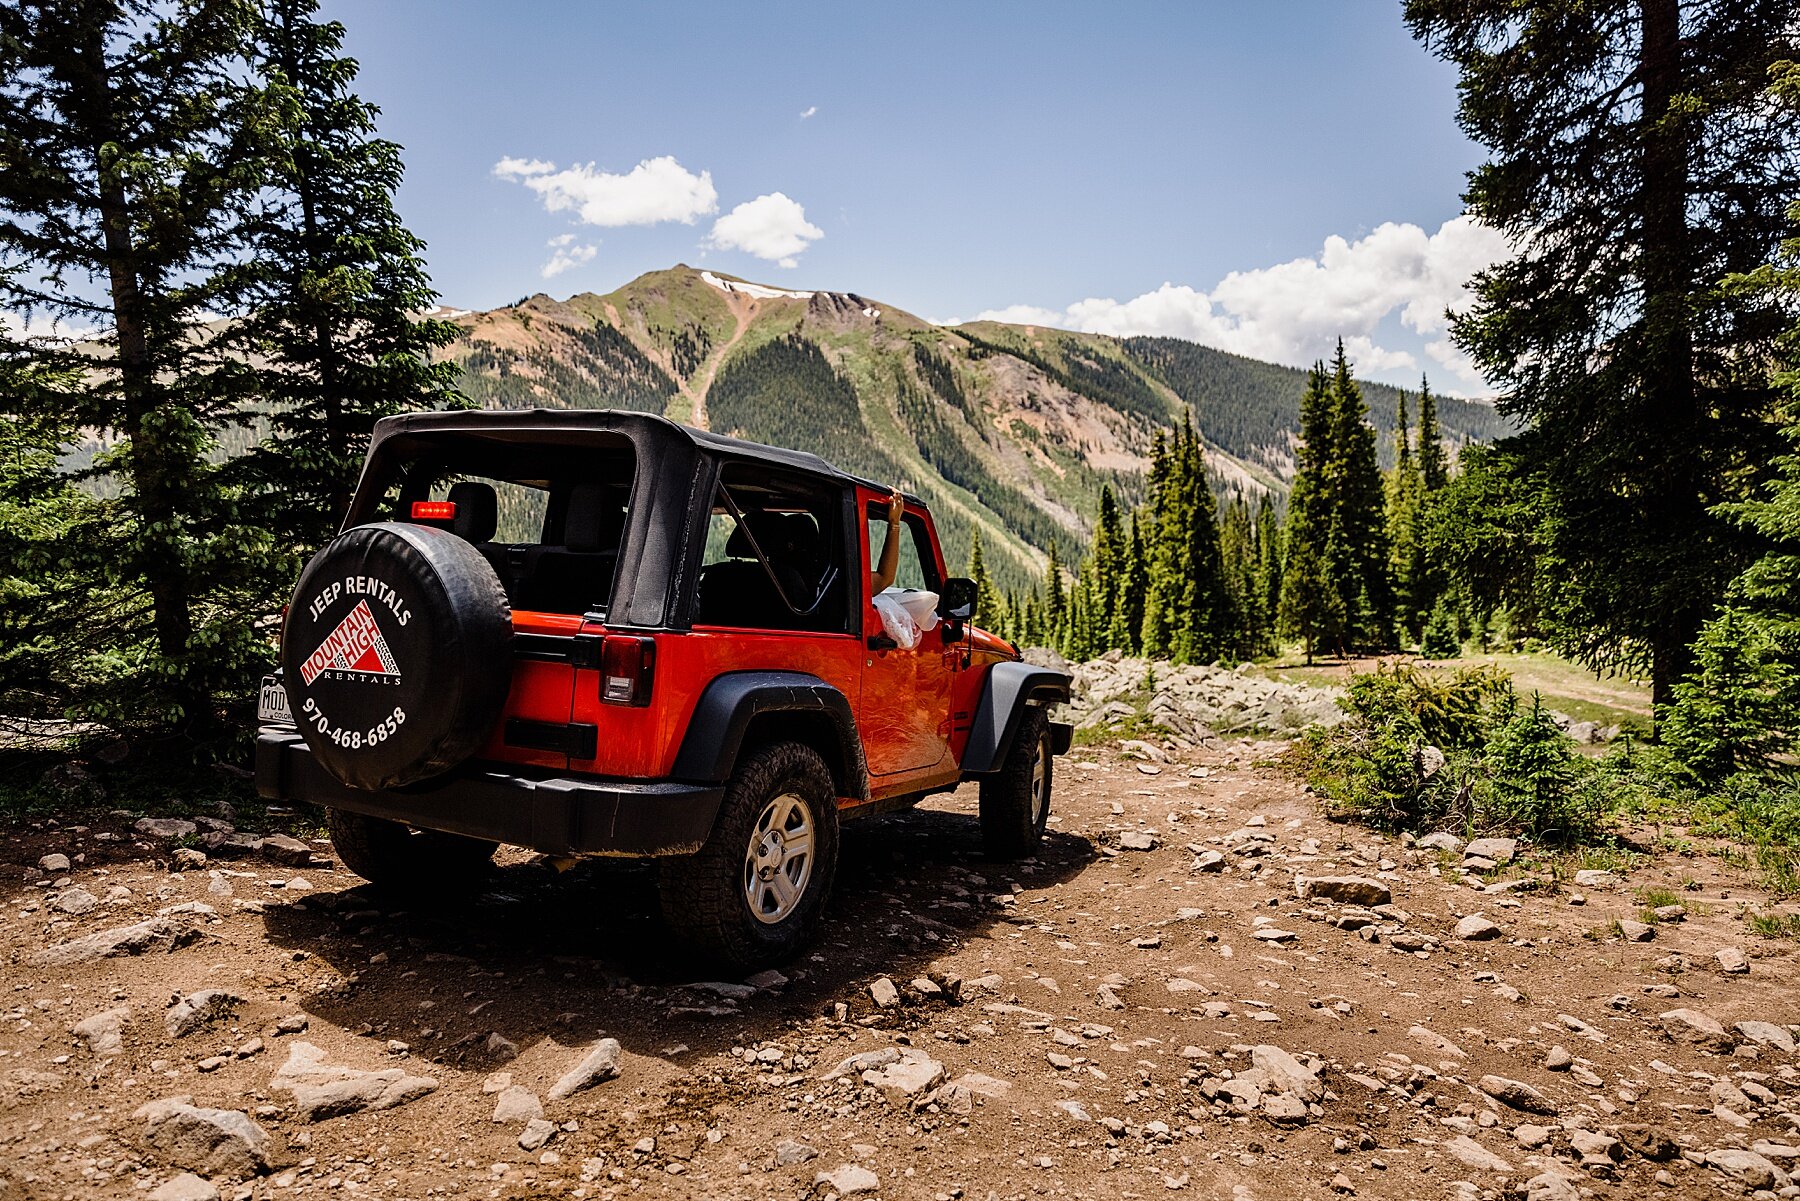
[(778, 862)]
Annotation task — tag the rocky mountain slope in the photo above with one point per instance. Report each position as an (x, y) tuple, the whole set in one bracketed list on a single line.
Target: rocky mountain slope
[(1011, 430)]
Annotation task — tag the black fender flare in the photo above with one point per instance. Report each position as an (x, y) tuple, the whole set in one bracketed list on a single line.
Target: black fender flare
[(1008, 689), (722, 716)]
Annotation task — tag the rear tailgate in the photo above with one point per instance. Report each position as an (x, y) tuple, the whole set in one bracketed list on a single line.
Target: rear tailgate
[(536, 727)]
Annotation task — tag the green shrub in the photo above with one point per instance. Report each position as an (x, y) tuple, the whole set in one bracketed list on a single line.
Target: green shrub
[(1452, 710), (1441, 641), (1732, 713), (1535, 781)]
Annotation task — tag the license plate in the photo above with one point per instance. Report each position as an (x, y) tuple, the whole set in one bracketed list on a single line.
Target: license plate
[(272, 705)]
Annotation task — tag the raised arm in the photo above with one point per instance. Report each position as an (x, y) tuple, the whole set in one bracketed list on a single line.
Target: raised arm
[(883, 576)]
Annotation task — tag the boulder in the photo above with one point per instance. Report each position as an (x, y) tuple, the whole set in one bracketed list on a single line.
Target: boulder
[(324, 1090), (55, 863), (912, 1074), (157, 932), (1476, 928), (848, 1180), (216, 1142), (104, 1032), (1516, 1093), (1692, 1026), (1498, 851), (199, 1009), (1766, 1034), (185, 1187), (1746, 1167), (516, 1104), (1476, 1156), (1429, 1038), (1345, 890), (599, 1065), (284, 848), (165, 827)]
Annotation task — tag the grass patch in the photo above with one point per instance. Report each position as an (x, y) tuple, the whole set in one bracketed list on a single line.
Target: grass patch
[(1774, 925)]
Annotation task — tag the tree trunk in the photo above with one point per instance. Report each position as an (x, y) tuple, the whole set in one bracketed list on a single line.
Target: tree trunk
[(1671, 491), (154, 462)]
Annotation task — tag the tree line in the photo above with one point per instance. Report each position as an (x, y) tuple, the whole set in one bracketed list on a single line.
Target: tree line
[(198, 250), (1205, 572)]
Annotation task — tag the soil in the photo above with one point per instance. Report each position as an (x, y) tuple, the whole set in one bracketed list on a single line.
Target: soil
[(1009, 963)]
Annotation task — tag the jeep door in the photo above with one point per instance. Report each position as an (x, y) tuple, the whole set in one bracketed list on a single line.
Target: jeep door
[(905, 710)]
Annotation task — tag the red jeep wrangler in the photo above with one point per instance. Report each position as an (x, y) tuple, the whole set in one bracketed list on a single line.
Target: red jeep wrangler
[(602, 633)]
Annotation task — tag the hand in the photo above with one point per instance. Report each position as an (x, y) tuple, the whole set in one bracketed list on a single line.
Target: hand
[(896, 507)]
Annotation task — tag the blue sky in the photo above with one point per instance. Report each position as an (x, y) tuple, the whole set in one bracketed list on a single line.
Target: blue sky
[(1048, 162)]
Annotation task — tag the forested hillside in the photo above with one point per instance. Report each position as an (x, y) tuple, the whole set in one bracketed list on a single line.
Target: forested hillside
[(1014, 431)]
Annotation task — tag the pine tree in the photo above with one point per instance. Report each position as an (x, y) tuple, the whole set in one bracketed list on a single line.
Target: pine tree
[(1311, 606), (1109, 554), (1357, 554), (1132, 593), (1434, 465), (1268, 565), (339, 282), (1735, 711), (1635, 160), (130, 141), (1055, 603), (988, 607), (1413, 595)]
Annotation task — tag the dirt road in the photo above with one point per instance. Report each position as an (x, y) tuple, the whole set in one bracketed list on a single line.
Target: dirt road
[(1105, 1021)]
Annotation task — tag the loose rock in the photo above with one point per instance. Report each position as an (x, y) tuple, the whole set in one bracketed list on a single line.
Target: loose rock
[(217, 1142), (198, 1009), (1692, 1026), (104, 1032), (324, 1090), (1516, 1093), (516, 1104), (157, 932), (185, 1187), (1346, 890), (1476, 928), (599, 1065), (847, 1180)]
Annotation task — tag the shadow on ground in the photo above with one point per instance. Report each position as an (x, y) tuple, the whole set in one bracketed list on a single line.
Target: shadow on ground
[(573, 956)]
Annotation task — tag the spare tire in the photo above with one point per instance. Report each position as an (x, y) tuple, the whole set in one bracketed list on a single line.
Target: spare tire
[(397, 654)]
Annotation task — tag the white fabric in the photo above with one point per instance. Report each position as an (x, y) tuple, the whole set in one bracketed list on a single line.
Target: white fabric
[(897, 606)]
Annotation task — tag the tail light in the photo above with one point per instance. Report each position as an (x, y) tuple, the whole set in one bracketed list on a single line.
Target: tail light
[(627, 669), (434, 510)]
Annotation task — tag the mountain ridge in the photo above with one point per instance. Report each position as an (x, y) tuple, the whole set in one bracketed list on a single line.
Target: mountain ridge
[(1006, 429)]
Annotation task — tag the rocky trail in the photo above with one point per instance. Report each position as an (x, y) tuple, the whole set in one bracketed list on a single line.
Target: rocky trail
[(1202, 987)]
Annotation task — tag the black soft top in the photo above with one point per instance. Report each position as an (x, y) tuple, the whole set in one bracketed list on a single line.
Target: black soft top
[(676, 468), (644, 429)]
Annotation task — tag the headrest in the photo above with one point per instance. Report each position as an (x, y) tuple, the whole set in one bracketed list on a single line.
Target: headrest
[(477, 511), (791, 538), (585, 525)]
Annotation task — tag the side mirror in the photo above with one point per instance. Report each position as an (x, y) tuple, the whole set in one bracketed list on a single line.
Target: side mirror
[(956, 599)]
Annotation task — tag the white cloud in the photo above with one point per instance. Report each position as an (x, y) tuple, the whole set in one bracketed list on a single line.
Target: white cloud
[(43, 325), (567, 256), (770, 227), (512, 168), (656, 190), (810, 110), (1294, 312)]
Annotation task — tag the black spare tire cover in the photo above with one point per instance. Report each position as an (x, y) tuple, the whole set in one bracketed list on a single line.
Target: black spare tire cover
[(397, 654)]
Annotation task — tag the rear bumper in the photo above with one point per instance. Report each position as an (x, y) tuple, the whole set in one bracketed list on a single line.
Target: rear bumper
[(557, 815)]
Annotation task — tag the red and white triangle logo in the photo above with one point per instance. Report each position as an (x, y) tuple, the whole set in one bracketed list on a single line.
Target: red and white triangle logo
[(356, 645)]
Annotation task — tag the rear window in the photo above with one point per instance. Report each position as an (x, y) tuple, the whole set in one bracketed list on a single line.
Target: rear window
[(550, 520)]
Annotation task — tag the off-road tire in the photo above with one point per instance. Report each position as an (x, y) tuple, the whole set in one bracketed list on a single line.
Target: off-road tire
[(703, 895), (1012, 815), (399, 858)]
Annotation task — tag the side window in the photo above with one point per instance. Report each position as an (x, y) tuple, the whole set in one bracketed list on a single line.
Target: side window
[(915, 568), (774, 555)]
